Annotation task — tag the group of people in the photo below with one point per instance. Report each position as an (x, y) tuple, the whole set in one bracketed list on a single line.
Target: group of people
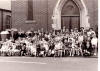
[(61, 43)]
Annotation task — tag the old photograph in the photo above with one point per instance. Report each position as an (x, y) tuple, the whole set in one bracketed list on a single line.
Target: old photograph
[(48, 35)]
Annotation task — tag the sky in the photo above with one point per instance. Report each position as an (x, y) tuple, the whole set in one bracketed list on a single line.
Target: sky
[(5, 4)]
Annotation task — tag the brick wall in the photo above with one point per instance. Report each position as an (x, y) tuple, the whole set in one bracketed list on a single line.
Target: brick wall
[(19, 14), (92, 6)]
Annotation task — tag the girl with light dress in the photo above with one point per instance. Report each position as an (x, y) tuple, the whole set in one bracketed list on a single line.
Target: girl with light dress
[(58, 48), (80, 41), (72, 46)]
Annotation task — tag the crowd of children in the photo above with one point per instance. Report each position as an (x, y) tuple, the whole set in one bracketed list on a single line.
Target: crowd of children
[(62, 43)]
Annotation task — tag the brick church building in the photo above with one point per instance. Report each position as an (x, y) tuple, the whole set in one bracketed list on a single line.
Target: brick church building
[(54, 14)]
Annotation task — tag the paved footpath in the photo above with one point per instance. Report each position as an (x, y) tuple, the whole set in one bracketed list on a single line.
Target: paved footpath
[(48, 64)]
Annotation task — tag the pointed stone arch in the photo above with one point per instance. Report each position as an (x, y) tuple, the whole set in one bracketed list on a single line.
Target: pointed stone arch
[(84, 18)]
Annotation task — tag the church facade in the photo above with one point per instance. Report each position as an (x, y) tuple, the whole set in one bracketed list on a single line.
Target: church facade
[(54, 14)]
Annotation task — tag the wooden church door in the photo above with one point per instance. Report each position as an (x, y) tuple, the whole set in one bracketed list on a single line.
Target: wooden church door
[(70, 15)]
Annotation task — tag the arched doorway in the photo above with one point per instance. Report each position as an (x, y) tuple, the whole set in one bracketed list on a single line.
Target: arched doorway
[(83, 13), (70, 15)]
